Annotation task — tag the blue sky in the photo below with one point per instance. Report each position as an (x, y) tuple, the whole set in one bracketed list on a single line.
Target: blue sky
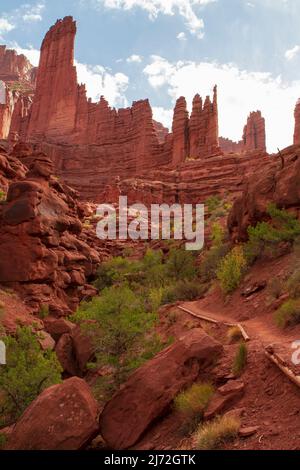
[(161, 49)]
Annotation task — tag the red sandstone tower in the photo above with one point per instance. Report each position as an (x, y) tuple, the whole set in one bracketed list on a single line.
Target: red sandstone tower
[(297, 124)]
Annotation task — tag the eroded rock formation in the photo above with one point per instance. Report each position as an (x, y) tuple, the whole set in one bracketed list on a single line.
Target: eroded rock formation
[(14, 67), (297, 124), (104, 142), (43, 254), (254, 136)]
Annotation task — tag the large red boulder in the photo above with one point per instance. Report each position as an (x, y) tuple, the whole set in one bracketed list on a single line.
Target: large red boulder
[(62, 417), (149, 391)]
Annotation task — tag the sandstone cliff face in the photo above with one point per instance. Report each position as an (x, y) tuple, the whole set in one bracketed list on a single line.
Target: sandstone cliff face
[(254, 136), (297, 124), (43, 253), (105, 143), (14, 67)]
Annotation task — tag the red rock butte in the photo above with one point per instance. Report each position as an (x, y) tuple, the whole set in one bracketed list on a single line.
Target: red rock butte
[(92, 144)]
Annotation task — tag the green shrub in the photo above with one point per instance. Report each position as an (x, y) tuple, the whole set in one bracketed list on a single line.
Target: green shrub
[(293, 284), (213, 435), (3, 440), (275, 288), (288, 314), (2, 196), (240, 359), (231, 270), (183, 290), (44, 311), (181, 264), (28, 371), (211, 261), (119, 326), (283, 227), (212, 203)]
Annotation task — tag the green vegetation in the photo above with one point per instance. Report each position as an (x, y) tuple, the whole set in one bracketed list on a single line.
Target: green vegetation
[(265, 237), (3, 440), (2, 196), (288, 314), (231, 270), (28, 371), (212, 258), (212, 203), (240, 359), (44, 311), (213, 435), (293, 284), (192, 402)]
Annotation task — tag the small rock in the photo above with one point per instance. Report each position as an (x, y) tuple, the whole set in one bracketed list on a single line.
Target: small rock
[(232, 386), (249, 431)]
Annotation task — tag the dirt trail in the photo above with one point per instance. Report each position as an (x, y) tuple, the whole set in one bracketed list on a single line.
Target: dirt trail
[(261, 328)]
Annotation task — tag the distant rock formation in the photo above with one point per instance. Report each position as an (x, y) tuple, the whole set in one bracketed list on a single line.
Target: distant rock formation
[(104, 142), (297, 124), (14, 67), (254, 136)]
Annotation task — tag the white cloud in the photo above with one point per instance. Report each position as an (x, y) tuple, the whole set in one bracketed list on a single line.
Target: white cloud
[(99, 81), (5, 26), (163, 115), (33, 55), (184, 8), (239, 93), (33, 12), (292, 53), (181, 36), (134, 58)]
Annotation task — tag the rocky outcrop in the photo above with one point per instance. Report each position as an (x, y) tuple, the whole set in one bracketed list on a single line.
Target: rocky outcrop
[(14, 67), (62, 417), (254, 136), (278, 183), (149, 391), (297, 124), (43, 254), (105, 143)]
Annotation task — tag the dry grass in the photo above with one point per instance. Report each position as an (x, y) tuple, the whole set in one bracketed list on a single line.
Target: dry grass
[(234, 334), (213, 435)]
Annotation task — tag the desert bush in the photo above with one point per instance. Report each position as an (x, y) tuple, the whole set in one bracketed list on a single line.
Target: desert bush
[(212, 203), (265, 236), (183, 290), (231, 270), (2, 195), (275, 288), (119, 326), (240, 359), (211, 261), (28, 371), (213, 435), (234, 334), (288, 314), (293, 284), (181, 264), (191, 403), (44, 311)]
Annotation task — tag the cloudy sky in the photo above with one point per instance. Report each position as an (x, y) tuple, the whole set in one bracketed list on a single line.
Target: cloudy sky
[(162, 49)]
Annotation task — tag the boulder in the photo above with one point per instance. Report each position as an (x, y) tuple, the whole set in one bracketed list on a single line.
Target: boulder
[(150, 390), (62, 417)]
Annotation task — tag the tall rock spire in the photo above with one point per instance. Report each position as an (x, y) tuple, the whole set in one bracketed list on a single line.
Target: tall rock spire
[(54, 106), (297, 124), (254, 136), (180, 130)]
